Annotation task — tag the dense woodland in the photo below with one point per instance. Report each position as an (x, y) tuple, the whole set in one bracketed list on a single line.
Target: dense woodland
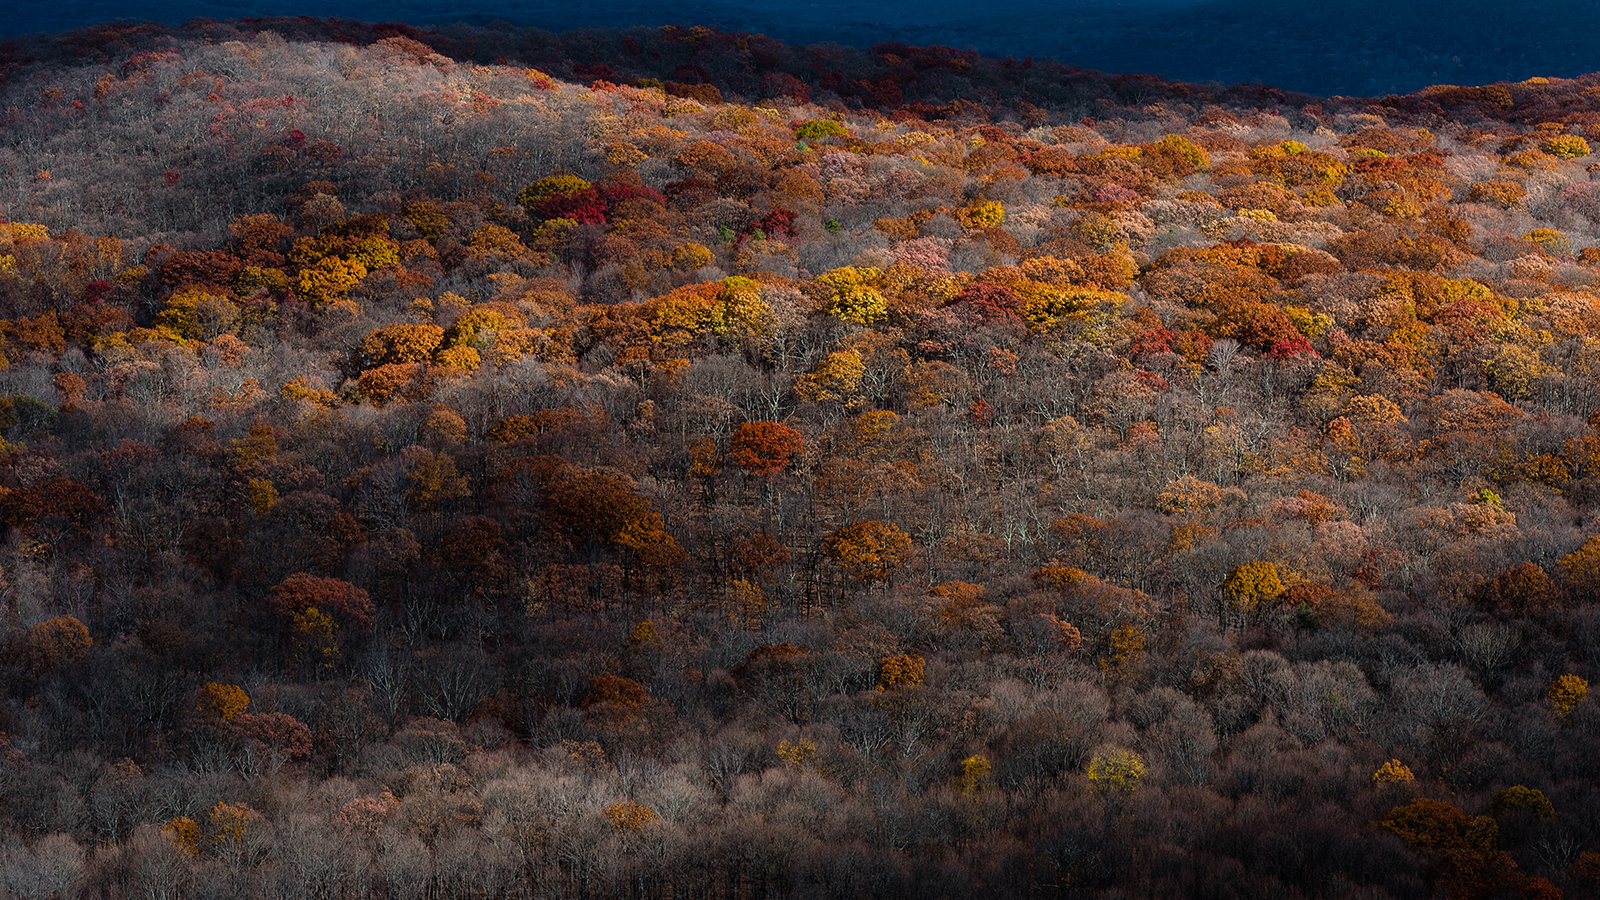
[(673, 464), (1351, 47)]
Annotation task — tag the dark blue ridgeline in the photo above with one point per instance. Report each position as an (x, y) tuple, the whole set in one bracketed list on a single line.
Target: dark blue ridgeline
[(1351, 47)]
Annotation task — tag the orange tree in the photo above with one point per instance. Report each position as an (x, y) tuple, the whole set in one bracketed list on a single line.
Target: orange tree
[(765, 448), (869, 550), (302, 591)]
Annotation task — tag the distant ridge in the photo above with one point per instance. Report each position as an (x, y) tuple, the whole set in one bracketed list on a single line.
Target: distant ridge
[(1348, 47)]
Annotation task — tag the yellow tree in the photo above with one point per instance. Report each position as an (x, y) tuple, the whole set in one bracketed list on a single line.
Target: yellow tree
[(629, 817), (798, 754), (258, 444), (478, 327), (1512, 371), (1565, 146), (1566, 693), (434, 479), (199, 314), (1116, 770), (1250, 585), (401, 343), (1393, 772), (1582, 566), (689, 257), (330, 279), (1522, 797), (900, 671), (314, 643), (229, 824), (1124, 650), (221, 702), (837, 378), (977, 776), (184, 833), (853, 297), (869, 550)]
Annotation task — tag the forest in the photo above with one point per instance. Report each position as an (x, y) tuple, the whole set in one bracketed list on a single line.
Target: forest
[(670, 463), (1351, 47)]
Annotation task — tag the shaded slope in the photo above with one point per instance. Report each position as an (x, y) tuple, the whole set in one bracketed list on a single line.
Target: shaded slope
[(1345, 47)]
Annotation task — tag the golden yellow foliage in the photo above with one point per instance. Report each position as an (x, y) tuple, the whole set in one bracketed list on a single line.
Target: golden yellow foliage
[(57, 641), (230, 823), (221, 702), (837, 378), (260, 495), (1124, 650), (854, 297), (184, 833), (1116, 770), (329, 280), (977, 776), (1393, 772), (1566, 693), (797, 754), (1251, 584), (1566, 146), (1522, 797), (314, 642)]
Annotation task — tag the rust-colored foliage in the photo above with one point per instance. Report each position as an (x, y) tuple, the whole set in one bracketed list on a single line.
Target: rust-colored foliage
[(1469, 862), (394, 380), (57, 641), (515, 428), (302, 591), (592, 506), (1439, 826), (393, 344), (753, 553), (279, 731), (221, 702), (901, 670), (216, 268), (1520, 591), (619, 692), (260, 239), (765, 448), (772, 661), (50, 507)]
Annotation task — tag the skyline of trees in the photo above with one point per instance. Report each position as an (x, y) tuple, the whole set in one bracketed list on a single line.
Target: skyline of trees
[(809, 474)]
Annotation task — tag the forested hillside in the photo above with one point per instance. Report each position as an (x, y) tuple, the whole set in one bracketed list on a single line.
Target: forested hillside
[(671, 463), (1351, 47)]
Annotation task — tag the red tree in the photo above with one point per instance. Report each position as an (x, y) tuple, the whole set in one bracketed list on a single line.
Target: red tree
[(765, 448)]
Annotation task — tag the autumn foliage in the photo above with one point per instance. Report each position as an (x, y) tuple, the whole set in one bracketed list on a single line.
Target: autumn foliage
[(668, 462), (765, 448), (56, 641), (302, 591)]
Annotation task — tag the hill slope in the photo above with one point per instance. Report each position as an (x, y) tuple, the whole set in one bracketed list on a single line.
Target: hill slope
[(1348, 47), (672, 463)]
